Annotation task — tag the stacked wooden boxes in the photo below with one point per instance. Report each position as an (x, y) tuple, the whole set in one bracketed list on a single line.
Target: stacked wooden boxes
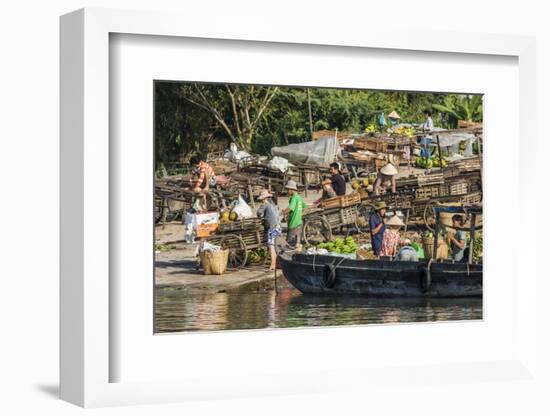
[(342, 201), (371, 143)]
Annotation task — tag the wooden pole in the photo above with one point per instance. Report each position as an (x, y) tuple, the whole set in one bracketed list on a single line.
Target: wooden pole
[(251, 196), (436, 234), (472, 237), (480, 159), (310, 115), (439, 151)]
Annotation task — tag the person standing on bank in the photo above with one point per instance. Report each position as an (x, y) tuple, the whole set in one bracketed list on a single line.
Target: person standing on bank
[(270, 214), (336, 180), (294, 211), (377, 226), (426, 140)]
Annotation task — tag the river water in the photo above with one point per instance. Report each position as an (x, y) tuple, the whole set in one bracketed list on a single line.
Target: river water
[(177, 311)]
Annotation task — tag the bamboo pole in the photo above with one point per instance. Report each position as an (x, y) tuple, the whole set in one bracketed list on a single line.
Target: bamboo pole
[(436, 234), (439, 152), (310, 115), (472, 237)]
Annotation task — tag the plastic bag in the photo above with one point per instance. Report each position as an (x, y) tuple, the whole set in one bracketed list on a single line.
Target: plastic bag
[(242, 209), (206, 246), (315, 153), (189, 229), (279, 163), (234, 154)]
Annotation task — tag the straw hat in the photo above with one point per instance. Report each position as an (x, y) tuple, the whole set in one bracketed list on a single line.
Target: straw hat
[(388, 169), (378, 205), (291, 185), (393, 114), (265, 194), (396, 221)]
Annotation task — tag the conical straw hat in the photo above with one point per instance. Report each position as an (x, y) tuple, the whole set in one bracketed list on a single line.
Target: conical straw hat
[(388, 169), (395, 220), (393, 114)]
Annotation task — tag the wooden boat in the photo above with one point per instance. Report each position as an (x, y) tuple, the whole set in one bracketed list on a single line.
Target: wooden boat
[(317, 274)]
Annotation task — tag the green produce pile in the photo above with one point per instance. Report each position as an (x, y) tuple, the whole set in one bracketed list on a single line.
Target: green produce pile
[(257, 256), (478, 245), (341, 245), (426, 163)]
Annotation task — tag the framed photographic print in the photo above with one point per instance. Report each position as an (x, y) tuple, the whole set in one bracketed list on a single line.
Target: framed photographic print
[(333, 204)]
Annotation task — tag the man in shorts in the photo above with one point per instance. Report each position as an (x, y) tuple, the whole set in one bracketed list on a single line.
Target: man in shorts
[(270, 214)]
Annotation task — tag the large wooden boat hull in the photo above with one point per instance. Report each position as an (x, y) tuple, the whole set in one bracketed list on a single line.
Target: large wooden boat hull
[(314, 274)]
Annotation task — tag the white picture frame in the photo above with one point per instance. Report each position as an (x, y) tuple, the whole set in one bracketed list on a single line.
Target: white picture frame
[(86, 356)]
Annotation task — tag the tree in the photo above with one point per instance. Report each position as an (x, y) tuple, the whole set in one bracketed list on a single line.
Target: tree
[(466, 107), (237, 108)]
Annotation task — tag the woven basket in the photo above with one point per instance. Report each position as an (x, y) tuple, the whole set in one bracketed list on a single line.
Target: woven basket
[(214, 262), (442, 248)]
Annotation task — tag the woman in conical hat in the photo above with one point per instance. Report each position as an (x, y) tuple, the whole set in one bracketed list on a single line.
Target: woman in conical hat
[(390, 242), (386, 176)]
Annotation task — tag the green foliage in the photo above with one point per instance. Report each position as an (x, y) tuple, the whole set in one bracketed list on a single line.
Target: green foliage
[(465, 107), (201, 118)]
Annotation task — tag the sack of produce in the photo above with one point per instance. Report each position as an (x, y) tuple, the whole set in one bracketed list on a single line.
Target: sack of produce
[(242, 209)]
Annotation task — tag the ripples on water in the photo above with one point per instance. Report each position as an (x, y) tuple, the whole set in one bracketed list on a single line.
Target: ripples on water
[(176, 311)]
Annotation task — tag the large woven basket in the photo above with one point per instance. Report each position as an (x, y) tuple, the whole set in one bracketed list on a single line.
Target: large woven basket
[(214, 262), (442, 248)]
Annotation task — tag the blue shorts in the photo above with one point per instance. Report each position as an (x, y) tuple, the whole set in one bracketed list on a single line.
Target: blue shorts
[(272, 234)]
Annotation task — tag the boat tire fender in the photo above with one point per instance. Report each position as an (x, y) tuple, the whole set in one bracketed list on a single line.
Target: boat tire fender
[(427, 277)]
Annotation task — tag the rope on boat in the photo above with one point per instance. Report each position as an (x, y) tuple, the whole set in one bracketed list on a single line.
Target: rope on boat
[(329, 282)]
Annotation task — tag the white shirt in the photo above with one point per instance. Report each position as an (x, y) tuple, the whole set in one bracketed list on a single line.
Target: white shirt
[(428, 124)]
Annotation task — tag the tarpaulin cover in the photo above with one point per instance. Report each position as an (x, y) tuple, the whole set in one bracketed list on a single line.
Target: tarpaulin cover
[(321, 152)]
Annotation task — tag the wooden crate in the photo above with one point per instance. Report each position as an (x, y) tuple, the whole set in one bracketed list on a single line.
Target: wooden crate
[(426, 192), (330, 203), (431, 179), (342, 201), (371, 143), (458, 188), (240, 225), (350, 199), (465, 124), (340, 217), (472, 198)]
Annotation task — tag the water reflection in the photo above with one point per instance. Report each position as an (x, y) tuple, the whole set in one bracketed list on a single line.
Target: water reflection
[(177, 311)]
